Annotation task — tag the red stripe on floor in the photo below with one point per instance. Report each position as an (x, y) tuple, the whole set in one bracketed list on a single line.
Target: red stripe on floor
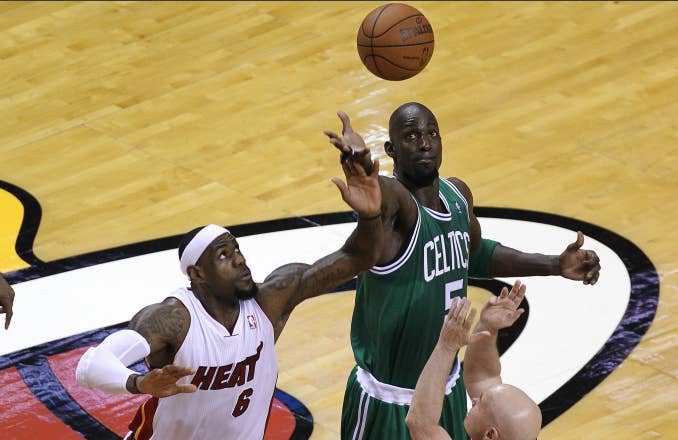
[(23, 417)]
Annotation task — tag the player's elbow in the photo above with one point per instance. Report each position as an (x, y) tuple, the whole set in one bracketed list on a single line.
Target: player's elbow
[(418, 430)]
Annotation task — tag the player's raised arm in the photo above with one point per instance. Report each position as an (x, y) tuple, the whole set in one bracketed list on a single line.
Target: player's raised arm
[(153, 332), (6, 301), (289, 285), (427, 401), (482, 368)]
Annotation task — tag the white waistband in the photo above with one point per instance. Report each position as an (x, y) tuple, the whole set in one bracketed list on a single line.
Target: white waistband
[(393, 394)]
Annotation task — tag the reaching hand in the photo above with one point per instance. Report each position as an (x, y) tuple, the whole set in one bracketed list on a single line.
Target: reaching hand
[(362, 193), (162, 382), (6, 301), (456, 331), (350, 144), (579, 264), (501, 312)]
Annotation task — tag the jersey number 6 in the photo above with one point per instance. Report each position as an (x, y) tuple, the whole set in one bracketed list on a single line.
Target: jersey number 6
[(243, 402)]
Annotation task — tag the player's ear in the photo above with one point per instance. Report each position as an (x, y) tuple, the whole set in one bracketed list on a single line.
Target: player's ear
[(388, 147), (196, 274), (491, 433)]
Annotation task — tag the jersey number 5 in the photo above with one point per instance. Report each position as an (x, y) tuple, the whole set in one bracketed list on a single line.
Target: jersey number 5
[(450, 288), (243, 402)]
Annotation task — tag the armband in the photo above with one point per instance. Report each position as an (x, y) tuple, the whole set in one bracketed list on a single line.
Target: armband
[(105, 367), (480, 262)]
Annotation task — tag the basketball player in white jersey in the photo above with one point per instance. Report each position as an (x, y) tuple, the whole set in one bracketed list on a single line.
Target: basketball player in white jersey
[(210, 346), (6, 301)]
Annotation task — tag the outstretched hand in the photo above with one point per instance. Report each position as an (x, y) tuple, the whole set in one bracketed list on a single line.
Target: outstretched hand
[(162, 382), (579, 264), (456, 331), (6, 301), (502, 311), (361, 191), (351, 144)]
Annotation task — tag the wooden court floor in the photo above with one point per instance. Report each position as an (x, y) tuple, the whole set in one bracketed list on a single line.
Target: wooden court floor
[(130, 121)]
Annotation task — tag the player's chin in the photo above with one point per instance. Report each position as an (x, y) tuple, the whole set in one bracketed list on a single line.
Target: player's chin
[(247, 291), (426, 174)]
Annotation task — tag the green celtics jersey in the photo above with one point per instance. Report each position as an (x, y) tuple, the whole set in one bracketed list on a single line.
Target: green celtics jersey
[(400, 308)]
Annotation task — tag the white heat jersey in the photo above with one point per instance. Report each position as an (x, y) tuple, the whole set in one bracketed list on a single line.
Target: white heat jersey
[(235, 375)]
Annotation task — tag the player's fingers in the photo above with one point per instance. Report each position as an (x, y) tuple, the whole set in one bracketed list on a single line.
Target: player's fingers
[(595, 278), (515, 288), (450, 312), (360, 171), (516, 314), (345, 121), (578, 243), (375, 167), (186, 388), (8, 317), (343, 189), (520, 294), (177, 370), (504, 292), (463, 310), (469, 319), (340, 145), (456, 308), (330, 134)]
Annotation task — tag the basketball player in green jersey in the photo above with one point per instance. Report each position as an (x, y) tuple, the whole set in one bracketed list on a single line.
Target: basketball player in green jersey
[(6, 300), (432, 243)]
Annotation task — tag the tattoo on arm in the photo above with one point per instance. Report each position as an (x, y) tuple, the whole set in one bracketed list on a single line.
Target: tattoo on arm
[(161, 325), (283, 277)]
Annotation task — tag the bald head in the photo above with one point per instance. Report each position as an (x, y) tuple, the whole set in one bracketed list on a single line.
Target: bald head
[(504, 412), (405, 112)]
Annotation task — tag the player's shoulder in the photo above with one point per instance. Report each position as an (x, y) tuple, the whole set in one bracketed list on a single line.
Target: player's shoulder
[(391, 182), (402, 196), (462, 187), (169, 308)]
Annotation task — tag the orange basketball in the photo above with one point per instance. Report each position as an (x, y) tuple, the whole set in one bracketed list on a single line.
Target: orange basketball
[(395, 41)]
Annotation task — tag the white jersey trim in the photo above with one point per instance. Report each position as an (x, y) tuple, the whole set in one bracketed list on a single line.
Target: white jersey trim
[(439, 215), (456, 190), (385, 270), (397, 395)]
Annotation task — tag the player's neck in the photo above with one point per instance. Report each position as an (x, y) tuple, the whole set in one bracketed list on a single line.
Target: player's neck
[(224, 309), (426, 193)]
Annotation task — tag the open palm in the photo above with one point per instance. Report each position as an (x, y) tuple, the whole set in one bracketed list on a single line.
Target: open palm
[(162, 382), (502, 311), (361, 190)]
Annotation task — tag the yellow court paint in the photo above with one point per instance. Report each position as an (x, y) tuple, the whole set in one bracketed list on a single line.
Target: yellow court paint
[(10, 223)]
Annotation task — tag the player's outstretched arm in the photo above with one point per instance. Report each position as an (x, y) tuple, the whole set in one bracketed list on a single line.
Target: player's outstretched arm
[(492, 259), (153, 332), (427, 401), (482, 368), (6, 301), (289, 285), (573, 263)]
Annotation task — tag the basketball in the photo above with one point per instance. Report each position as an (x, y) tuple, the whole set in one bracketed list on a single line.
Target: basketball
[(395, 41)]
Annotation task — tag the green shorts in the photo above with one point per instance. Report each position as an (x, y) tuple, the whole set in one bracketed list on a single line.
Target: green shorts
[(365, 417)]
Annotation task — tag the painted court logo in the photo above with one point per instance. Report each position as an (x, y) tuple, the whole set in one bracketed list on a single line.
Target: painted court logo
[(38, 355)]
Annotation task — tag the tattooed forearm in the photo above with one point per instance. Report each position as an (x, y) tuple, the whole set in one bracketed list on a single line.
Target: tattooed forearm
[(326, 274)]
